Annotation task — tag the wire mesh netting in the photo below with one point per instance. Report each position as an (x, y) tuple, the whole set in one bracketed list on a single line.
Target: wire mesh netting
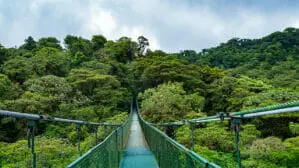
[(48, 144), (168, 152), (108, 153)]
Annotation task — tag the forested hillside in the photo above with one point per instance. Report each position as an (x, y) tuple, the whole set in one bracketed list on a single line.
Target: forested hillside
[(96, 79)]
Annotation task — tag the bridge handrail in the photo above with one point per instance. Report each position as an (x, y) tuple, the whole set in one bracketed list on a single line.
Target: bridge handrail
[(51, 119), (274, 109), (236, 118), (108, 153), (192, 159)]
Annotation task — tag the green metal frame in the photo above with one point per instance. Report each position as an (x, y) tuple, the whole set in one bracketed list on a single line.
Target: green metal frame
[(33, 119), (236, 118), (106, 154), (168, 152)]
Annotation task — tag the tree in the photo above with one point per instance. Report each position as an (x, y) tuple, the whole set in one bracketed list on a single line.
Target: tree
[(5, 86), (50, 61), (98, 42), (69, 40), (150, 53), (30, 44), (188, 55), (142, 45), (78, 44), (123, 50), (150, 72), (105, 90), (169, 102), (2, 54), (49, 42), (17, 69), (42, 96)]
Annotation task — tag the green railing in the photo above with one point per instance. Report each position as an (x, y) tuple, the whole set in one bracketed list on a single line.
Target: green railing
[(236, 120), (45, 149), (108, 153), (168, 152)]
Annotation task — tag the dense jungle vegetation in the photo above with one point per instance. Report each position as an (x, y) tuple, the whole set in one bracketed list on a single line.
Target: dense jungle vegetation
[(96, 79)]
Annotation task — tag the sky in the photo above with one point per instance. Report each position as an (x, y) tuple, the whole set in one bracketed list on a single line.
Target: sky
[(170, 25)]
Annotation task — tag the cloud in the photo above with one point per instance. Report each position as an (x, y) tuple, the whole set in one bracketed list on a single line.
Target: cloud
[(171, 25), (104, 21), (296, 23)]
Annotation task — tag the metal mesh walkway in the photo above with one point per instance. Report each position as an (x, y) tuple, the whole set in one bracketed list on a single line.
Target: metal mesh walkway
[(137, 154)]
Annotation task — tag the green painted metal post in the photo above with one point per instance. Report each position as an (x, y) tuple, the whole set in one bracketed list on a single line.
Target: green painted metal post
[(79, 137), (97, 137), (221, 116), (105, 130), (174, 130), (236, 126), (192, 134), (122, 136), (30, 135), (116, 147)]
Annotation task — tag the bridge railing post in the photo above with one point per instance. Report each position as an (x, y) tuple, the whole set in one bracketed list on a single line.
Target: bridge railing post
[(116, 146), (31, 144), (191, 124), (236, 126), (78, 129), (97, 137), (105, 130), (122, 137)]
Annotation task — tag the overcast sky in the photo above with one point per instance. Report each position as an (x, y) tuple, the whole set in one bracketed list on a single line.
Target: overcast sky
[(170, 25)]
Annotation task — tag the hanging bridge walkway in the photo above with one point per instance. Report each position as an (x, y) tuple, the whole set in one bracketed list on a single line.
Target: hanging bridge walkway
[(138, 143), (137, 153)]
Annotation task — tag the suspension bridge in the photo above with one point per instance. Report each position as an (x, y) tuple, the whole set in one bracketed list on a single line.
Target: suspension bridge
[(138, 143)]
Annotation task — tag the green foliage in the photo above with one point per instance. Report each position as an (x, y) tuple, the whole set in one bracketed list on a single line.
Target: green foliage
[(17, 69), (96, 65), (105, 90), (271, 97), (183, 135), (142, 45), (94, 80), (5, 86), (215, 138), (118, 119), (87, 113), (3, 54), (50, 61), (272, 150), (220, 158), (123, 50), (150, 72), (49, 152), (51, 42), (169, 102), (98, 42), (294, 128), (30, 44), (150, 53), (215, 143), (86, 80), (79, 48)]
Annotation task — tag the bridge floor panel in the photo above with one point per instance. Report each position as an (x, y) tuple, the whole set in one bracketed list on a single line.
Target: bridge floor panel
[(137, 154), (138, 157)]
